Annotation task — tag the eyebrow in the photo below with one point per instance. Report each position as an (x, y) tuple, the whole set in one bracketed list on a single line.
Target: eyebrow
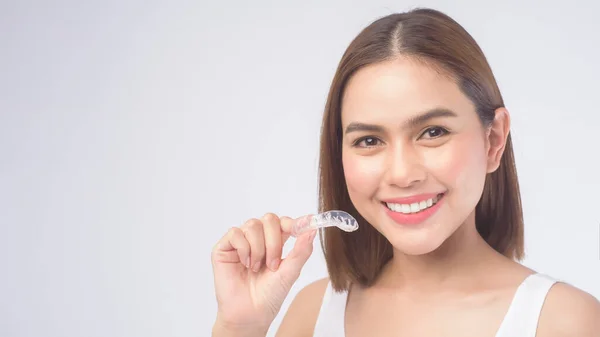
[(412, 122)]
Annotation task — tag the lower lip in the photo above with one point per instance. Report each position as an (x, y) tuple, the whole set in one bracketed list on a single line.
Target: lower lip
[(413, 218)]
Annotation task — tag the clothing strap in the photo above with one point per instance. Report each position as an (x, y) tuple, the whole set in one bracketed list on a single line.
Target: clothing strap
[(330, 322), (524, 312)]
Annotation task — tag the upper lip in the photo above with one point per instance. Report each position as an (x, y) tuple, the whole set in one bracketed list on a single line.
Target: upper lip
[(411, 199)]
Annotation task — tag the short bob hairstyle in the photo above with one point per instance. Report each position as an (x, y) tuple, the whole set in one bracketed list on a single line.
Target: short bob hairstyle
[(435, 39)]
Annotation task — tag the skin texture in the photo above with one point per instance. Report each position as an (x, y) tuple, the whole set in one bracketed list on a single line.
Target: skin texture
[(443, 279)]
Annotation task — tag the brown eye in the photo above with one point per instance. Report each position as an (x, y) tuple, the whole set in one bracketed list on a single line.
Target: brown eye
[(367, 142), (435, 132)]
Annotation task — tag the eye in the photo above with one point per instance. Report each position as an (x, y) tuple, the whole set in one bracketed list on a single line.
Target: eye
[(434, 132), (368, 142)]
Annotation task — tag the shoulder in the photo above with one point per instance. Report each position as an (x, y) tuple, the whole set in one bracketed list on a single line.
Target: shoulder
[(569, 311), (301, 316)]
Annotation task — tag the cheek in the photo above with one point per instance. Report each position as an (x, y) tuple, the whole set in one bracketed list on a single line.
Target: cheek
[(461, 165), (362, 174)]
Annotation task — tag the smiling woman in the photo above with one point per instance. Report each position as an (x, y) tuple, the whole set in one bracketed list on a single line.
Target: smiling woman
[(416, 145), (430, 143)]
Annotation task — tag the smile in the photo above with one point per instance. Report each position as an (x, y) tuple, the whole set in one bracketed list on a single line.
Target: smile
[(413, 210), (414, 207)]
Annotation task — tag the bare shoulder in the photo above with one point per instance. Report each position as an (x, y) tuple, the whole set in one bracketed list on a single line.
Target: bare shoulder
[(569, 311), (301, 316)]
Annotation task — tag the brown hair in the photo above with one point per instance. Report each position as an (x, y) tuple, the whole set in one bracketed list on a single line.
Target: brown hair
[(434, 38)]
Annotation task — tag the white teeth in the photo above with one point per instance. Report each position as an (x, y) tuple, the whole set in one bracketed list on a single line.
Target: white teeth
[(414, 207)]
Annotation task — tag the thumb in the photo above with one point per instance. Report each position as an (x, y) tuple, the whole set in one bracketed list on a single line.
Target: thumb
[(292, 265)]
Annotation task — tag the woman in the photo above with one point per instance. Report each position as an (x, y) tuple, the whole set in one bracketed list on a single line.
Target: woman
[(416, 145)]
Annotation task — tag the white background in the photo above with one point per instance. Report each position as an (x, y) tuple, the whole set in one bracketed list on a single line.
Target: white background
[(134, 134)]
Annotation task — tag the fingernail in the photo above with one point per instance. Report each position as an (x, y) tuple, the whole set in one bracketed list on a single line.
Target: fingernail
[(256, 267), (248, 262), (274, 264), (312, 235)]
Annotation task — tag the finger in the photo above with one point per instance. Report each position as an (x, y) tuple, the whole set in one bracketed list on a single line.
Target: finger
[(287, 225), (292, 265), (302, 247), (253, 231), (233, 243), (273, 240), (227, 257)]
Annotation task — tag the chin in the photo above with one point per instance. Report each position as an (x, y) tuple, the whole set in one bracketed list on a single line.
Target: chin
[(419, 239), (415, 244)]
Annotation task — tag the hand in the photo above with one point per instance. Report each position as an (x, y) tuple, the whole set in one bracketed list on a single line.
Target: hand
[(251, 280)]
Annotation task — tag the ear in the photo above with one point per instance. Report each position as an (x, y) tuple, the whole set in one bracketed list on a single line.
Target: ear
[(496, 136)]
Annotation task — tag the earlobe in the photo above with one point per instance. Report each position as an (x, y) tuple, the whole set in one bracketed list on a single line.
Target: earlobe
[(497, 135)]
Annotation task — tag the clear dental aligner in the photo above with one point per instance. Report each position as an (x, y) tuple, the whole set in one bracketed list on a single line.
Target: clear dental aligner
[(339, 219)]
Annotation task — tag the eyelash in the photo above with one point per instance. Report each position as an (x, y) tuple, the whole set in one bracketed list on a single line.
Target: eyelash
[(443, 130)]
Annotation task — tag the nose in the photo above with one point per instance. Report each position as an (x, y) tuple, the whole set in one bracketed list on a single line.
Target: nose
[(404, 167)]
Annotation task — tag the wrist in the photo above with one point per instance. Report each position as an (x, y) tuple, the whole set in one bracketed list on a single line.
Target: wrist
[(222, 329)]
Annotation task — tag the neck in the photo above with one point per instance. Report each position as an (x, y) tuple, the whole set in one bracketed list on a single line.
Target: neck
[(452, 265)]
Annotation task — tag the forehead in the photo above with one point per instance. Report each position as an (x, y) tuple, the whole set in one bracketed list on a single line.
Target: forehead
[(399, 88)]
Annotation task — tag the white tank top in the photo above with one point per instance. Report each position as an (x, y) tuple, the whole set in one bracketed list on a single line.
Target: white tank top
[(521, 319)]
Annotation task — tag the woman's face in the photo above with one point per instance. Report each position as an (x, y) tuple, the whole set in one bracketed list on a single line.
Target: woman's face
[(415, 153)]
